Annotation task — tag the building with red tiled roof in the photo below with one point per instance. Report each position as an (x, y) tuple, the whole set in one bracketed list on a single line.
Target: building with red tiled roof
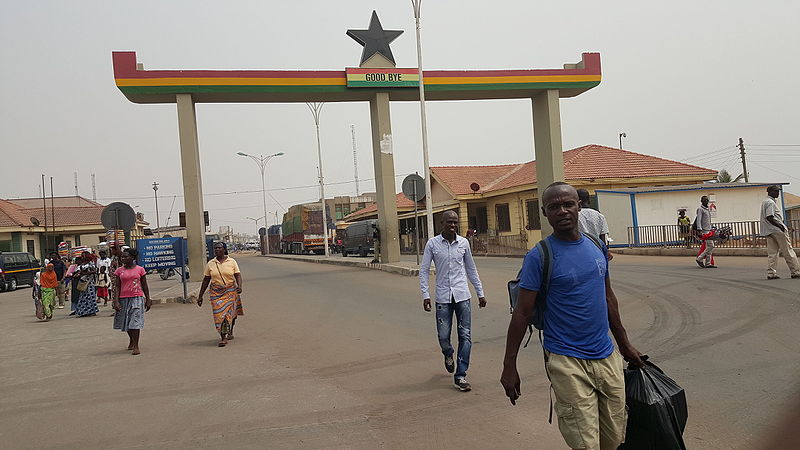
[(29, 225), (502, 200)]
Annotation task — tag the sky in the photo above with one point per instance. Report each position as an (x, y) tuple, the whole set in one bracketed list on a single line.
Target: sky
[(684, 80)]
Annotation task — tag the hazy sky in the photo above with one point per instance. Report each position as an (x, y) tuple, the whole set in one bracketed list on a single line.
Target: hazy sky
[(682, 79)]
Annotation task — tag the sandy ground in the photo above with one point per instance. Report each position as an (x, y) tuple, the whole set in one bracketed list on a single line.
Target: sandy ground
[(338, 357)]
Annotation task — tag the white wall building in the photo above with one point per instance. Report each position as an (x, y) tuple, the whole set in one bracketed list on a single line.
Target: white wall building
[(638, 207)]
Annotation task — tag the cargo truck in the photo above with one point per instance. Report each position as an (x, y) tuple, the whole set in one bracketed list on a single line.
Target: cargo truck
[(302, 230)]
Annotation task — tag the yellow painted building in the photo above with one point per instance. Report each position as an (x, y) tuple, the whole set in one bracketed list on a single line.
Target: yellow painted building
[(499, 204)]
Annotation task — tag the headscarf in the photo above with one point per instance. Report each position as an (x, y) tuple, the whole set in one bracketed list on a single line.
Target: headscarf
[(48, 278), (223, 245)]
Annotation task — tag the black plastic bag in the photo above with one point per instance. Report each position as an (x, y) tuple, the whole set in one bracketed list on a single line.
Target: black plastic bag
[(656, 409)]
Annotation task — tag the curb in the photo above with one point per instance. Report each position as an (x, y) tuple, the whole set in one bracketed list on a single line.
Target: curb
[(390, 268), (192, 298)]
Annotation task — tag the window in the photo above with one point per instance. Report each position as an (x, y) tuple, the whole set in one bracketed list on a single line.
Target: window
[(503, 217), (534, 223), (30, 246)]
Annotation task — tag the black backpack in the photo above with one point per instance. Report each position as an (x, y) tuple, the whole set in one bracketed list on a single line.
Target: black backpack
[(536, 320)]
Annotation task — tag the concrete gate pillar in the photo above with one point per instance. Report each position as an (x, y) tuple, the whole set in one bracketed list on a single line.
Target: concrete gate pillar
[(192, 184), (547, 145), (383, 160)]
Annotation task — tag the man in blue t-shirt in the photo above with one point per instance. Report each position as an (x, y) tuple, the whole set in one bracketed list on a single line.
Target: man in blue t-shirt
[(584, 369)]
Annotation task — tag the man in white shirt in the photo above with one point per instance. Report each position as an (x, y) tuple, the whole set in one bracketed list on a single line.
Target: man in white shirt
[(777, 235), (591, 221), (452, 256)]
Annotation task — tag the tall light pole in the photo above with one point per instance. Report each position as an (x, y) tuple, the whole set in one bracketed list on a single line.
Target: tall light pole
[(255, 222), (316, 109), (155, 196), (417, 4), (262, 161), (621, 135)]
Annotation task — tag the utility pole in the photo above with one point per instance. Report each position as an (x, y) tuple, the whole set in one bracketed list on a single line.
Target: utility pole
[(744, 162), (94, 189), (155, 196), (355, 158)]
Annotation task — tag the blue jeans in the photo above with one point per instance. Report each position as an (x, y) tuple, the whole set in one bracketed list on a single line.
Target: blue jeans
[(444, 324)]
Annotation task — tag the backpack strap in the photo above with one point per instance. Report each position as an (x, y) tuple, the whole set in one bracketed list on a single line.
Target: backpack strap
[(594, 240), (547, 270)]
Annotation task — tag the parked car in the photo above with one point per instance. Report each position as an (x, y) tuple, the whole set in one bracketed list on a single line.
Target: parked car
[(358, 238), (17, 268)]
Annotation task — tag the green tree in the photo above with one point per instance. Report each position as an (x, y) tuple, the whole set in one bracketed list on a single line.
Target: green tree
[(725, 177)]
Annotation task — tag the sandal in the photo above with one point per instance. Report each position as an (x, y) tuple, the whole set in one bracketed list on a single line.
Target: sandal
[(222, 344)]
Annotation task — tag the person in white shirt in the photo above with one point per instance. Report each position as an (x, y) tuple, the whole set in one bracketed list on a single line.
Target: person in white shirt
[(104, 260), (777, 235), (452, 256), (591, 221)]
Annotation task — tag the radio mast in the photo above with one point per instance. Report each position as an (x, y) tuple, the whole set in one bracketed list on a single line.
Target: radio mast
[(355, 158)]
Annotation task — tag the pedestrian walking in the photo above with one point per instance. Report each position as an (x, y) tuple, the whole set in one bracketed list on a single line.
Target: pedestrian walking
[(61, 270), (131, 298), (48, 281), (591, 221), (585, 370), (452, 257), (225, 279), (84, 279), (702, 223), (103, 282), (70, 287), (376, 242), (777, 235), (684, 227)]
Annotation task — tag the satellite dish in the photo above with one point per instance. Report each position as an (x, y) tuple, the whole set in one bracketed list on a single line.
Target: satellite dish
[(118, 216), (414, 187), (35, 221), (475, 187)]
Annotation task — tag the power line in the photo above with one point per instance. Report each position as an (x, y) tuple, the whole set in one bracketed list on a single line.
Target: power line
[(777, 171), (337, 183)]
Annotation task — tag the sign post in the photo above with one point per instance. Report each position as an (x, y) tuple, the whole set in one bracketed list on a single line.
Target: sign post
[(414, 190), (164, 253)]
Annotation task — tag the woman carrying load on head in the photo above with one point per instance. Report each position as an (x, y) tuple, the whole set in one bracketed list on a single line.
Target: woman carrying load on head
[(48, 282), (84, 277), (223, 275)]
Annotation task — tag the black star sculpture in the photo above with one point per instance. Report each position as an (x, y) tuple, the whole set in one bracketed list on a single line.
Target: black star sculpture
[(375, 39)]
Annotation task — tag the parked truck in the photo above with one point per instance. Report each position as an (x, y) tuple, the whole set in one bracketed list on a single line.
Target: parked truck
[(274, 239), (302, 230)]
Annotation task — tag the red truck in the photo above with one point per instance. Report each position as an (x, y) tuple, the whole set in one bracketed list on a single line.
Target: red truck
[(302, 230)]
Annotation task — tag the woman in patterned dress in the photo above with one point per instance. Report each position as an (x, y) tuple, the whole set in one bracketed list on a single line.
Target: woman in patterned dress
[(84, 276), (223, 274)]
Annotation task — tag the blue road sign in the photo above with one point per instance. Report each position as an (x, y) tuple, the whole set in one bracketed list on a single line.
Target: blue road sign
[(161, 253)]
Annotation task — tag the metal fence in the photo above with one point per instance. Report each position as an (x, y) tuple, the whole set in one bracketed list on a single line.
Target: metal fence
[(743, 235)]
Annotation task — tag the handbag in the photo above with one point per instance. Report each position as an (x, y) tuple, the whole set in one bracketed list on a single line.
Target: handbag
[(82, 286)]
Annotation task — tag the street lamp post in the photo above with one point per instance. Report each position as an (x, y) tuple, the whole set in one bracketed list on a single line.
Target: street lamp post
[(417, 4), (255, 222), (155, 196), (262, 161), (316, 109), (621, 135)]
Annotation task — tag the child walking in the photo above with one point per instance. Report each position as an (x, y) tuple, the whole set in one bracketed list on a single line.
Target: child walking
[(103, 282)]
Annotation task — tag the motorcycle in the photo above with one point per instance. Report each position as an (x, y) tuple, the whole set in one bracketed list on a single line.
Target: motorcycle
[(166, 274)]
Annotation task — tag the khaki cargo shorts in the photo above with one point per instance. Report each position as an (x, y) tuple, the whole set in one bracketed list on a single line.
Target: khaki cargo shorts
[(590, 400)]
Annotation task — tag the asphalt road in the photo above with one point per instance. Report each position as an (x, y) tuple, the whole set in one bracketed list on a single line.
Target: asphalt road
[(337, 357)]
